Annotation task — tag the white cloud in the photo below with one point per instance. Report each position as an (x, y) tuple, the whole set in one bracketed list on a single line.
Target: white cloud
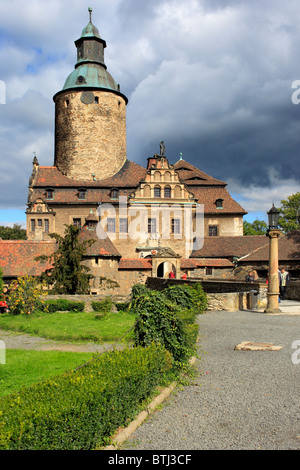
[(212, 78)]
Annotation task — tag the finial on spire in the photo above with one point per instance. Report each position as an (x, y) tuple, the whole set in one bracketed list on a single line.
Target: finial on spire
[(90, 12), (180, 158)]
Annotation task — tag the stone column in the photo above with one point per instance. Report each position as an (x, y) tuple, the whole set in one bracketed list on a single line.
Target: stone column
[(273, 286)]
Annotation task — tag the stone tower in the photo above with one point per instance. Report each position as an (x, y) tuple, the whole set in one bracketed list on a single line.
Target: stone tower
[(90, 115)]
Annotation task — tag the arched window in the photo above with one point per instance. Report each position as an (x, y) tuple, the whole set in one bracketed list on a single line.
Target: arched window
[(147, 190), (157, 176), (157, 191), (177, 191), (167, 176), (167, 191)]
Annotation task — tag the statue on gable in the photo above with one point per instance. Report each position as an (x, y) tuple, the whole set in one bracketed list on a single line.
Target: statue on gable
[(162, 148)]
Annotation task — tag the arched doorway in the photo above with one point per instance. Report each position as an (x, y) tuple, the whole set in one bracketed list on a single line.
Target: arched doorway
[(164, 268)]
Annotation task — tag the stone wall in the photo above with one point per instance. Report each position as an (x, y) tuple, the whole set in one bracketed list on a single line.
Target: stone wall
[(293, 290), (90, 138), (228, 295)]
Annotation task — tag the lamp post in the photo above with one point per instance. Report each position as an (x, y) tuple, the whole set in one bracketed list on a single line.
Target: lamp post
[(273, 233)]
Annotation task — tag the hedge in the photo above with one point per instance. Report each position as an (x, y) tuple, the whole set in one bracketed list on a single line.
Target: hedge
[(64, 305), (81, 409)]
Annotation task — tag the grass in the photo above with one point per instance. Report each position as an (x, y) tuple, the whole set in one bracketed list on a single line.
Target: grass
[(70, 326), (26, 367)]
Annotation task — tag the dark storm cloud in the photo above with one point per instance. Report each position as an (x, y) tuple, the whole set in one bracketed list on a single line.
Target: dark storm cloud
[(211, 78)]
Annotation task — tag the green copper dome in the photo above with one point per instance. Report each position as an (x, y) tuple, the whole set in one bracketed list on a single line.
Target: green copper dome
[(90, 76), (90, 30)]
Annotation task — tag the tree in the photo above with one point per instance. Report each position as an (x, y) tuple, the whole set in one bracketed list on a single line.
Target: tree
[(67, 275), (290, 213), (258, 227), (12, 233)]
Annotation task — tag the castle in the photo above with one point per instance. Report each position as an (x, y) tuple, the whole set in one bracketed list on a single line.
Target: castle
[(145, 221)]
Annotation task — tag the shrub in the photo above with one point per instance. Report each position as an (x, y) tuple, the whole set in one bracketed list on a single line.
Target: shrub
[(64, 305), (26, 295), (82, 408), (188, 297), (158, 320), (102, 305)]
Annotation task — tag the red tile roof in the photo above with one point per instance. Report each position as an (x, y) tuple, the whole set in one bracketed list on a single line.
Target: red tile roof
[(288, 249), (17, 257), (208, 197), (224, 247), (135, 263), (100, 247), (205, 262), (129, 176), (191, 175)]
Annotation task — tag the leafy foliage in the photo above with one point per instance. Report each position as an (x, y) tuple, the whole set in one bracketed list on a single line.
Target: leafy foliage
[(290, 213), (26, 295), (68, 275), (167, 318), (12, 233), (62, 305), (81, 409), (257, 227)]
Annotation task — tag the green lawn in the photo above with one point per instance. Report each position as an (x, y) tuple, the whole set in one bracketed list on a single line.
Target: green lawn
[(70, 326), (25, 367)]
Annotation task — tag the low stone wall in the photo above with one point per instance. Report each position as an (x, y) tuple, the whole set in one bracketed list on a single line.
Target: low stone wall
[(228, 295), (293, 290)]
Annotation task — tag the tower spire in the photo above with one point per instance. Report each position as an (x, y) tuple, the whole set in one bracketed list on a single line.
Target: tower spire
[(90, 12)]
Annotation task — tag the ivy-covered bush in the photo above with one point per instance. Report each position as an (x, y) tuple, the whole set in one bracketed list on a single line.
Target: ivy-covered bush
[(188, 297), (157, 321), (81, 409), (168, 317)]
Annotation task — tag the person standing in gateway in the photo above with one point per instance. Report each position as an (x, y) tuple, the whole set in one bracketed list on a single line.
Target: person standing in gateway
[(284, 282)]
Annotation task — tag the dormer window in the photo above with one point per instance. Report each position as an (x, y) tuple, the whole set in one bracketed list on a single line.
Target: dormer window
[(219, 203), (81, 194), (49, 193), (114, 194)]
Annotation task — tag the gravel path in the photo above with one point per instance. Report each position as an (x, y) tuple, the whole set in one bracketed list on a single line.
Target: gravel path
[(14, 340), (242, 400)]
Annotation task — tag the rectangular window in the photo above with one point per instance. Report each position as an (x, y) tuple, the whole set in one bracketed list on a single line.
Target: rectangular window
[(49, 194), (213, 231), (151, 225), (123, 225), (32, 225), (77, 222), (208, 271), (40, 223), (111, 225), (46, 226), (175, 225)]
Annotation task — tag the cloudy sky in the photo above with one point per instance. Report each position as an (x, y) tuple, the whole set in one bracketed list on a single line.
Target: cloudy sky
[(212, 78)]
